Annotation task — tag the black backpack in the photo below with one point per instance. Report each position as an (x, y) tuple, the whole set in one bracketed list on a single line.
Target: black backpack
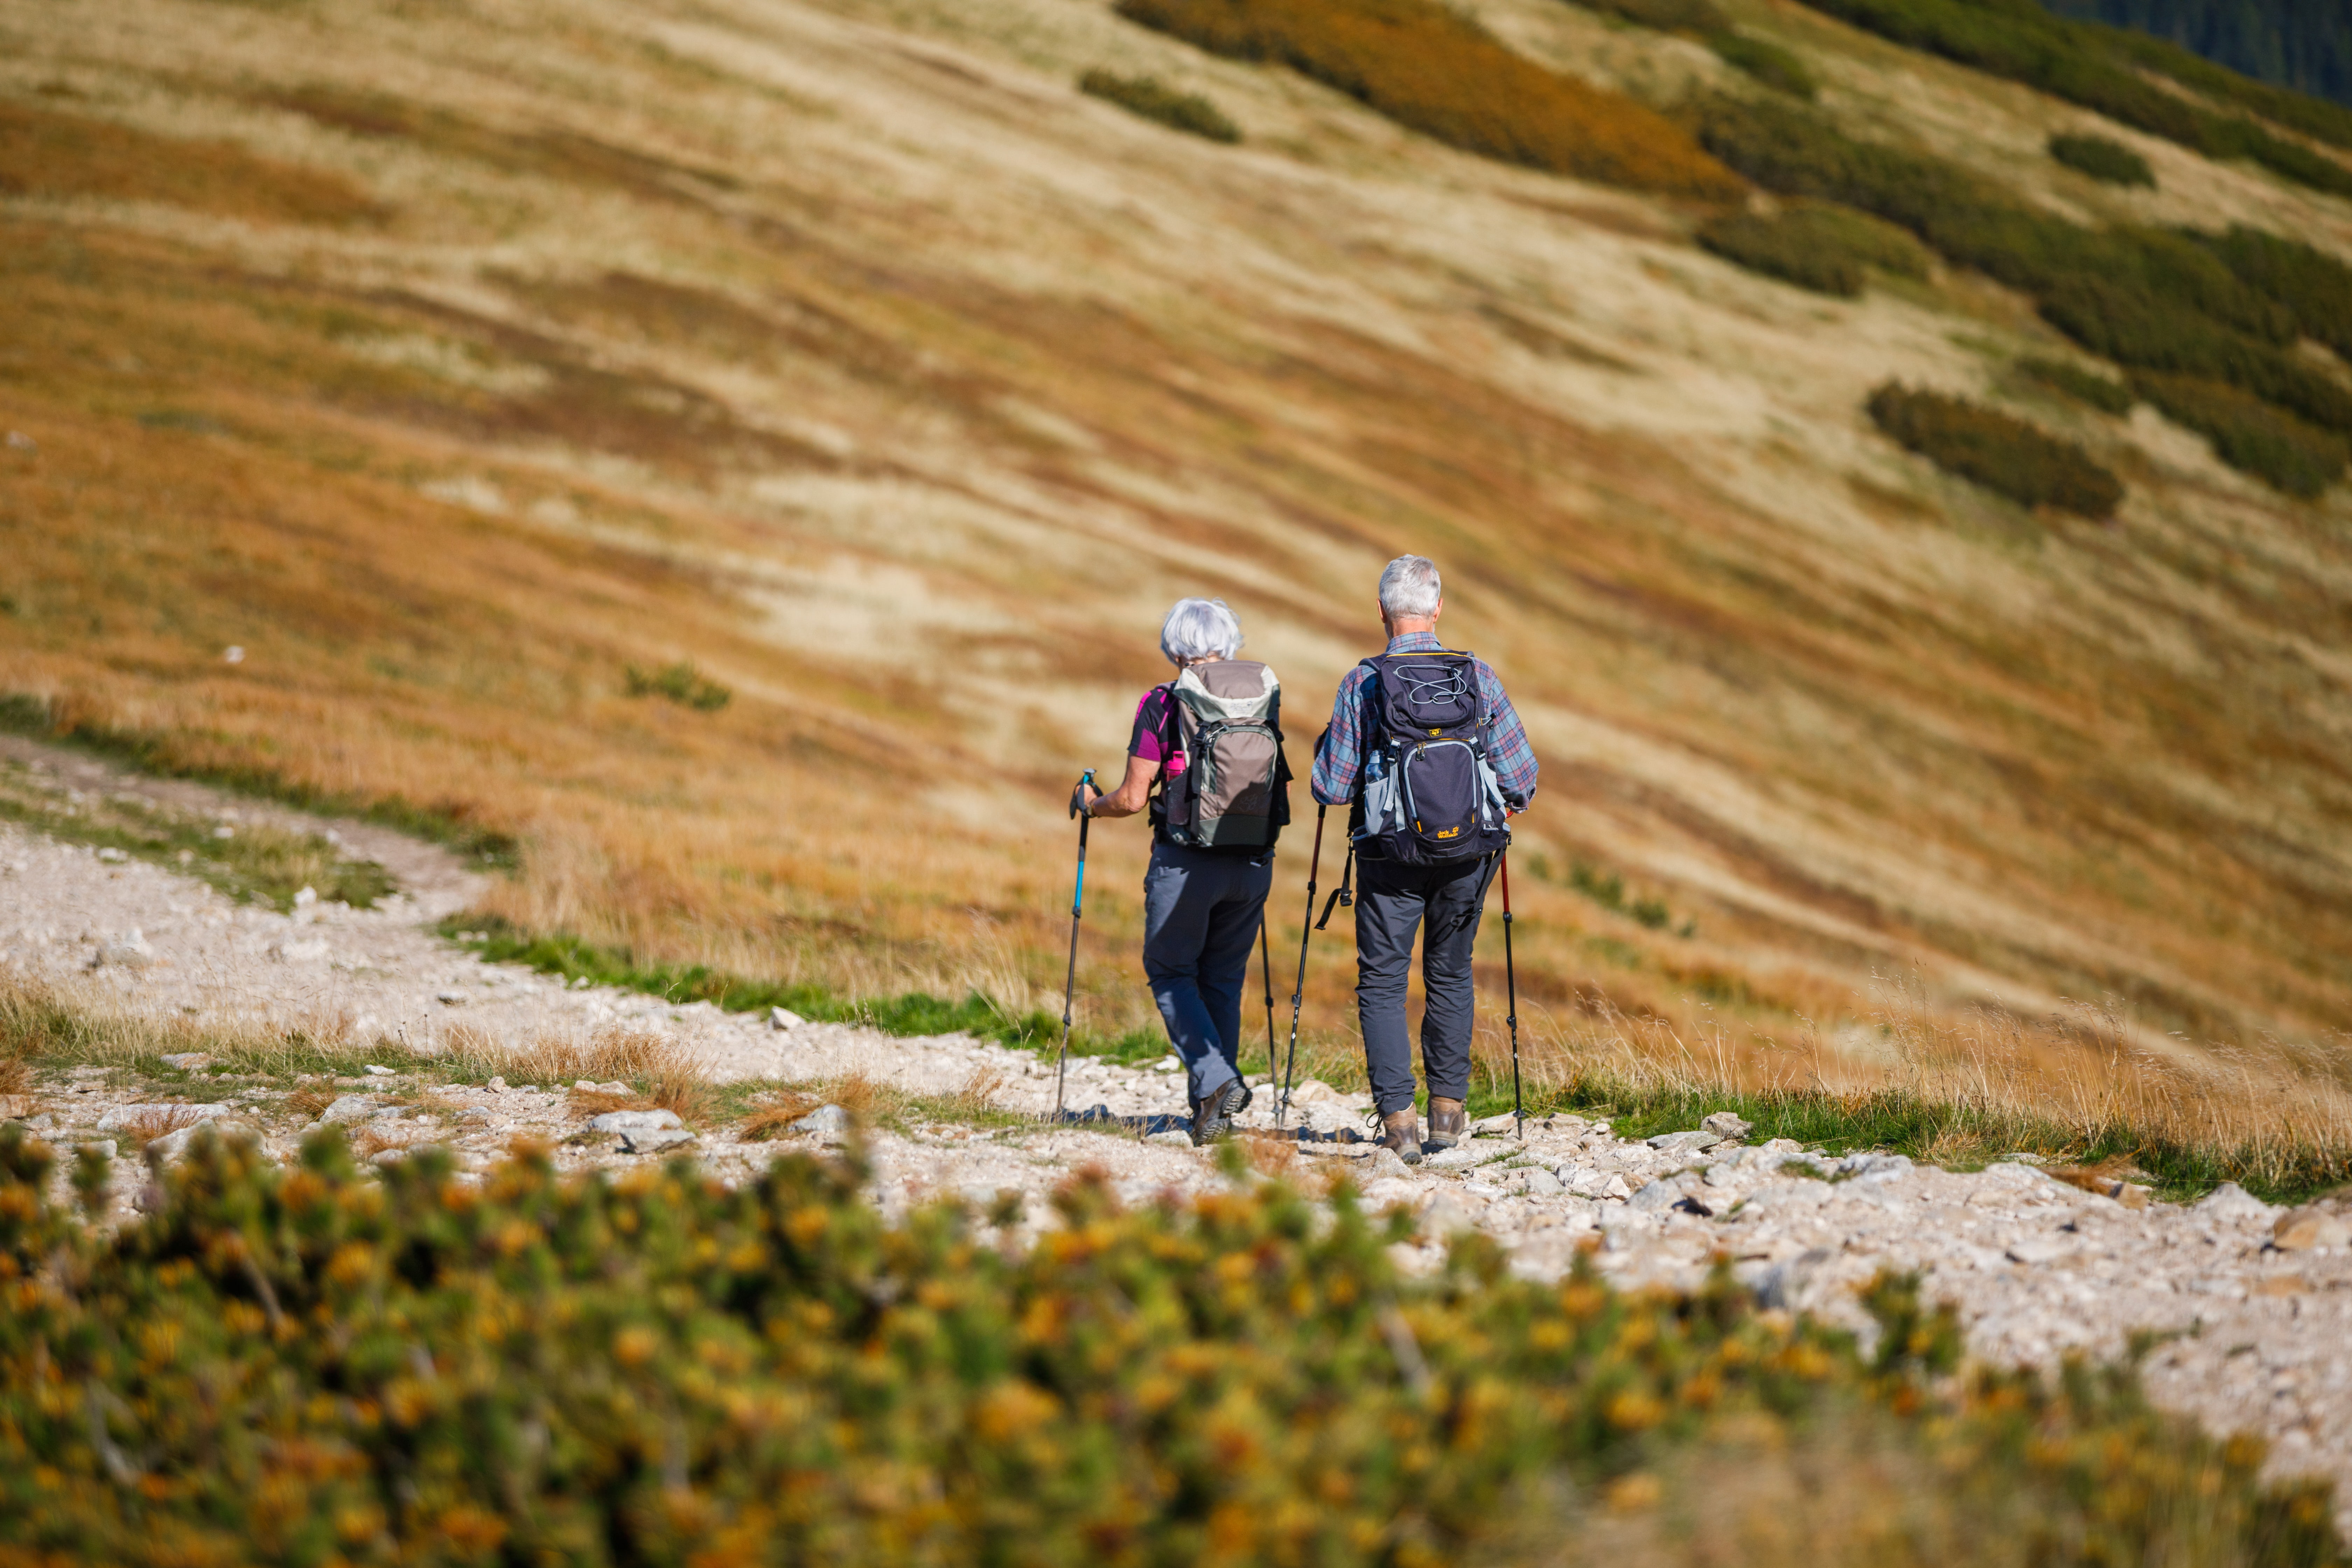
[(1427, 795)]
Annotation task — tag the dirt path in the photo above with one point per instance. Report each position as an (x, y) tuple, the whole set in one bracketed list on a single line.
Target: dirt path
[(2258, 1319)]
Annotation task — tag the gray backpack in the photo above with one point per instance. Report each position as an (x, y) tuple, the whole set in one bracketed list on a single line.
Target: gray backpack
[(1234, 793)]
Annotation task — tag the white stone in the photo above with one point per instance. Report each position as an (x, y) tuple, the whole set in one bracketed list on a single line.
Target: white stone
[(351, 1107), (785, 1019), (123, 1116), (311, 949), (637, 1122), (188, 1061), (2233, 1202), (1679, 1144)]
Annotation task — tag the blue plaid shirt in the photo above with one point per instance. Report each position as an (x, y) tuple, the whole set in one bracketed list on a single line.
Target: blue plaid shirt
[(1341, 754)]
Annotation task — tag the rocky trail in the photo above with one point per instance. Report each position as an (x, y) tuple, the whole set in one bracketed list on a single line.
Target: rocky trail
[(2250, 1304)]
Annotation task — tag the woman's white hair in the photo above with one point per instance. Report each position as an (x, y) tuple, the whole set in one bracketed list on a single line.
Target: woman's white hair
[(1200, 628), (1410, 586)]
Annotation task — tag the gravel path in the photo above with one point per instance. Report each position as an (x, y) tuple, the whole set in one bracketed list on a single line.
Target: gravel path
[(2254, 1302)]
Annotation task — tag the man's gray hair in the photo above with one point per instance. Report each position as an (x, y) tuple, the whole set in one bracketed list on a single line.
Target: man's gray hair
[(1410, 586), (1200, 628)]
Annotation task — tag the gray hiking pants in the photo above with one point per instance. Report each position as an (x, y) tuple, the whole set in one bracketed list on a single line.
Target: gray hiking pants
[(1200, 913), (1392, 902)]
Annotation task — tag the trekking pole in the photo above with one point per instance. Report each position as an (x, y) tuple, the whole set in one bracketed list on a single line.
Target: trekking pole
[(1266, 974), (1077, 903), (1298, 991), (1511, 990)]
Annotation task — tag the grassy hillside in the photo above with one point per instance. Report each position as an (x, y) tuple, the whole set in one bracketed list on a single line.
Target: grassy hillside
[(457, 361)]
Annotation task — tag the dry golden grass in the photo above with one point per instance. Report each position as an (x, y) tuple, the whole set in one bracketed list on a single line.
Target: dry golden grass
[(719, 380), (774, 1115), (162, 1121), (46, 152), (609, 1054), (307, 1102)]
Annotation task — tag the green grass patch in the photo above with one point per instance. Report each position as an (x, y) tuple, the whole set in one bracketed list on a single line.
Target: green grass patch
[(249, 862), (682, 683), (316, 1365), (2002, 453), (912, 1013), (1144, 96), (2102, 393), (450, 824), (2102, 158), (1941, 1133)]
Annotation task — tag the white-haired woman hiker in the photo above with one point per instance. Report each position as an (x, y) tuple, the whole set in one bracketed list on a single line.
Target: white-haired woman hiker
[(1205, 755)]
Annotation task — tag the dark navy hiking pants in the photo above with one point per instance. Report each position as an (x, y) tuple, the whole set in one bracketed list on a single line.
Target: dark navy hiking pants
[(1442, 903), (1200, 913)]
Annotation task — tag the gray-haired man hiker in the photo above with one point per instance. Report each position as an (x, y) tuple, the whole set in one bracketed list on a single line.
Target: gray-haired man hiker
[(1428, 753)]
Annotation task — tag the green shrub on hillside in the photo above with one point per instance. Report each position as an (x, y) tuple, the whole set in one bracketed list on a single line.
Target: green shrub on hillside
[(2313, 285), (2002, 452), (2102, 158), (1767, 62), (2150, 299), (1437, 71), (1815, 246), (2249, 434), (2139, 329), (1144, 95), (1701, 17), (2102, 393), (317, 1368), (2023, 43)]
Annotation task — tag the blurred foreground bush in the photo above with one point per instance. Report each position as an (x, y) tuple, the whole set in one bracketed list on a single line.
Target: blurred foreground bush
[(319, 1368), (1998, 451), (1436, 70)]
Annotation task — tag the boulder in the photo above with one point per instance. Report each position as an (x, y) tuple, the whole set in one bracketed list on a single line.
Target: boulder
[(1729, 1125), (831, 1124), (646, 1141), (350, 1108), (2231, 1203), (1655, 1197), (188, 1061), (1682, 1144), (785, 1019), (2300, 1230), (174, 1145)]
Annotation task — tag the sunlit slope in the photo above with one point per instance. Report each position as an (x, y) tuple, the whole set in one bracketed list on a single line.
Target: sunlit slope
[(852, 353)]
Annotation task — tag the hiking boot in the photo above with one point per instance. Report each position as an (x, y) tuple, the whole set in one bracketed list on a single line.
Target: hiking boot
[(1243, 1102), (1448, 1122), (1212, 1119), (1401, 1132)]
